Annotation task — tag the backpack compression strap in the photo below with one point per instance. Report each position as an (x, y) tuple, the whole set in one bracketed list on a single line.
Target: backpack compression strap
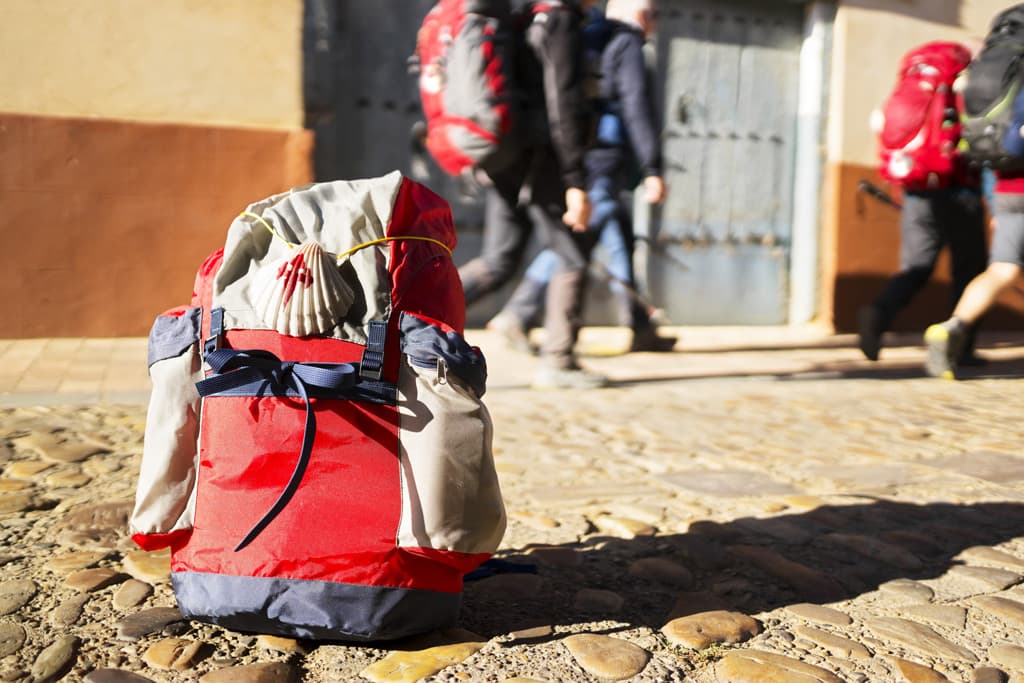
[(233, 368)]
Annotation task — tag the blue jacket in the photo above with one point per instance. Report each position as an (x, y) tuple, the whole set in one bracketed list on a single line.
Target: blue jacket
[(626, 116)]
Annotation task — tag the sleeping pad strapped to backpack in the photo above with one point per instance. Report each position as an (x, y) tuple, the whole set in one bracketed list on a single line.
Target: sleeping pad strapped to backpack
[(317, 456)]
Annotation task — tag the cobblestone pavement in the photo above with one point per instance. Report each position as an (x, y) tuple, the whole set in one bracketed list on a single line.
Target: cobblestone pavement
[(746, 509)]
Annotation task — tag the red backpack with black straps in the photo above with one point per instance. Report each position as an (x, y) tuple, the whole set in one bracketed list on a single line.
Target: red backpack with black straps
[(466, 56), (317, 456), (466, 52), (920, 128)]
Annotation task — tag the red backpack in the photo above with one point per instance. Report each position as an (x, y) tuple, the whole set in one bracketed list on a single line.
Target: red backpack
[(921, 129), (316, 455), (466, 55)]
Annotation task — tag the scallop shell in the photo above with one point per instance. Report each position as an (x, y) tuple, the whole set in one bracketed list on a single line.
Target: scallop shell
[(303, 293)]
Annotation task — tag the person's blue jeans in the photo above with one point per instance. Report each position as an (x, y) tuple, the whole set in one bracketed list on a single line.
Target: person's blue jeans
[(608, 217)]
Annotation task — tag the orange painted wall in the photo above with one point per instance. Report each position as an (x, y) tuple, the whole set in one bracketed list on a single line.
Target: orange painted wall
[(105, 222), (863, 245)]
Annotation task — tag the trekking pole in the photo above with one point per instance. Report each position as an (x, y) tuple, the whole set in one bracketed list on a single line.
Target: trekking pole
[(878, 193), (658, 246), (653, 312)]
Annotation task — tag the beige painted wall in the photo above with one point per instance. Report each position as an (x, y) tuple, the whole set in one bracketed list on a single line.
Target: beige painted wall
[(870, 36), (221, 62)]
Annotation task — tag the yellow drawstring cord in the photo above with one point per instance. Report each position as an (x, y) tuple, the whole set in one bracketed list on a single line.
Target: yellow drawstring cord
[(356, 248), (390, 239)]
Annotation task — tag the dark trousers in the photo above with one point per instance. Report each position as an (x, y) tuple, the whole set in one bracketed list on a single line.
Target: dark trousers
[(610, 219), (928, 222), (530, 195)]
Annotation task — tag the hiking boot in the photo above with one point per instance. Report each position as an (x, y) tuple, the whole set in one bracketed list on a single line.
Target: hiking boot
[(970, 359), (648, 340), (869, 328), (573, 377), (512, 332), (944, 342)]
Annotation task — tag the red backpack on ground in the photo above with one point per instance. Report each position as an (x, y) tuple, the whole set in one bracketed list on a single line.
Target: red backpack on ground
[(466, 51), (918, 138), (316, 454)]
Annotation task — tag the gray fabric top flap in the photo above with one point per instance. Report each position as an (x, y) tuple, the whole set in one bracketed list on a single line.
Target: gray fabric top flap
[(338, 215)]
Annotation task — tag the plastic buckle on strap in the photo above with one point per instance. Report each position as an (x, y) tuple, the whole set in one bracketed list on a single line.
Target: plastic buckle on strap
[(212, 342), (371, 367)]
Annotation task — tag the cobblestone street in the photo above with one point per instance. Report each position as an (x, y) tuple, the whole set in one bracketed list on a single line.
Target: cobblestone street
[(761, 505)]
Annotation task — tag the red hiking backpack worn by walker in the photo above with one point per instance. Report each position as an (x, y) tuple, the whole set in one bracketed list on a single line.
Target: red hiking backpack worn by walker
[(918, 136), (317, 456), (466, 57)]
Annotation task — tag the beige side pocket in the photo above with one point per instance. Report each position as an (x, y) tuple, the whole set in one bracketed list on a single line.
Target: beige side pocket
[(165, 495), (451, 499)]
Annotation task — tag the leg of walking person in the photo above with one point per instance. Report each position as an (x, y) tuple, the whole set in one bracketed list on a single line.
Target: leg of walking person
[(618, 241), (564, 301), (506, 233), (920, 244), (616, 254), (963, 225), (606, 220), (1006, 261), (524, 307), (563, 315)]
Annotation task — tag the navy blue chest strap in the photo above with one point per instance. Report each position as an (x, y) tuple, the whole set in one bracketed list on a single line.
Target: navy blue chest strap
[(233, 368)]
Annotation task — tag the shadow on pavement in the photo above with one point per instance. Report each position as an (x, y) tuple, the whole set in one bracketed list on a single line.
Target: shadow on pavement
[(828, 554), (995, 369)]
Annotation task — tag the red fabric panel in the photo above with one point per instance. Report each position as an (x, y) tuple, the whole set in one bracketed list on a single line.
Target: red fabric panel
[(202, 290), (949, 58), (342, 522), (446, 19), (1009, 182), (449, 157), (347, 505), (176, 312), (424, 278), (311, 349), (436, 323), (905, 113), (158, 541)]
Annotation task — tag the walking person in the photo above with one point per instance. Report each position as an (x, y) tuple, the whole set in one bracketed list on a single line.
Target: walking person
[(929, 221), (947, 340), (626, 136), (993, 135), (544, 188), (942, 200)]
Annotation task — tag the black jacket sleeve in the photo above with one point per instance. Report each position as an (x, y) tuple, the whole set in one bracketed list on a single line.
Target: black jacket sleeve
[(554, 36), (632, 87)]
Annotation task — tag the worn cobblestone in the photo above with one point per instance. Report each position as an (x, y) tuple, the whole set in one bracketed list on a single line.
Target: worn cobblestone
[(869, 519)]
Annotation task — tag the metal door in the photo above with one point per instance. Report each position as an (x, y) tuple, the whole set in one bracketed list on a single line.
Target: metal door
[(719, 246)]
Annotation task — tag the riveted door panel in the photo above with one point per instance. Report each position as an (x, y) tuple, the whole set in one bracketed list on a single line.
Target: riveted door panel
[(729, 73)]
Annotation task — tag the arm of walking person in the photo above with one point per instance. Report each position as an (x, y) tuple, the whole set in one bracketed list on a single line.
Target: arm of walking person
[(633, 88), (556, 40)]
